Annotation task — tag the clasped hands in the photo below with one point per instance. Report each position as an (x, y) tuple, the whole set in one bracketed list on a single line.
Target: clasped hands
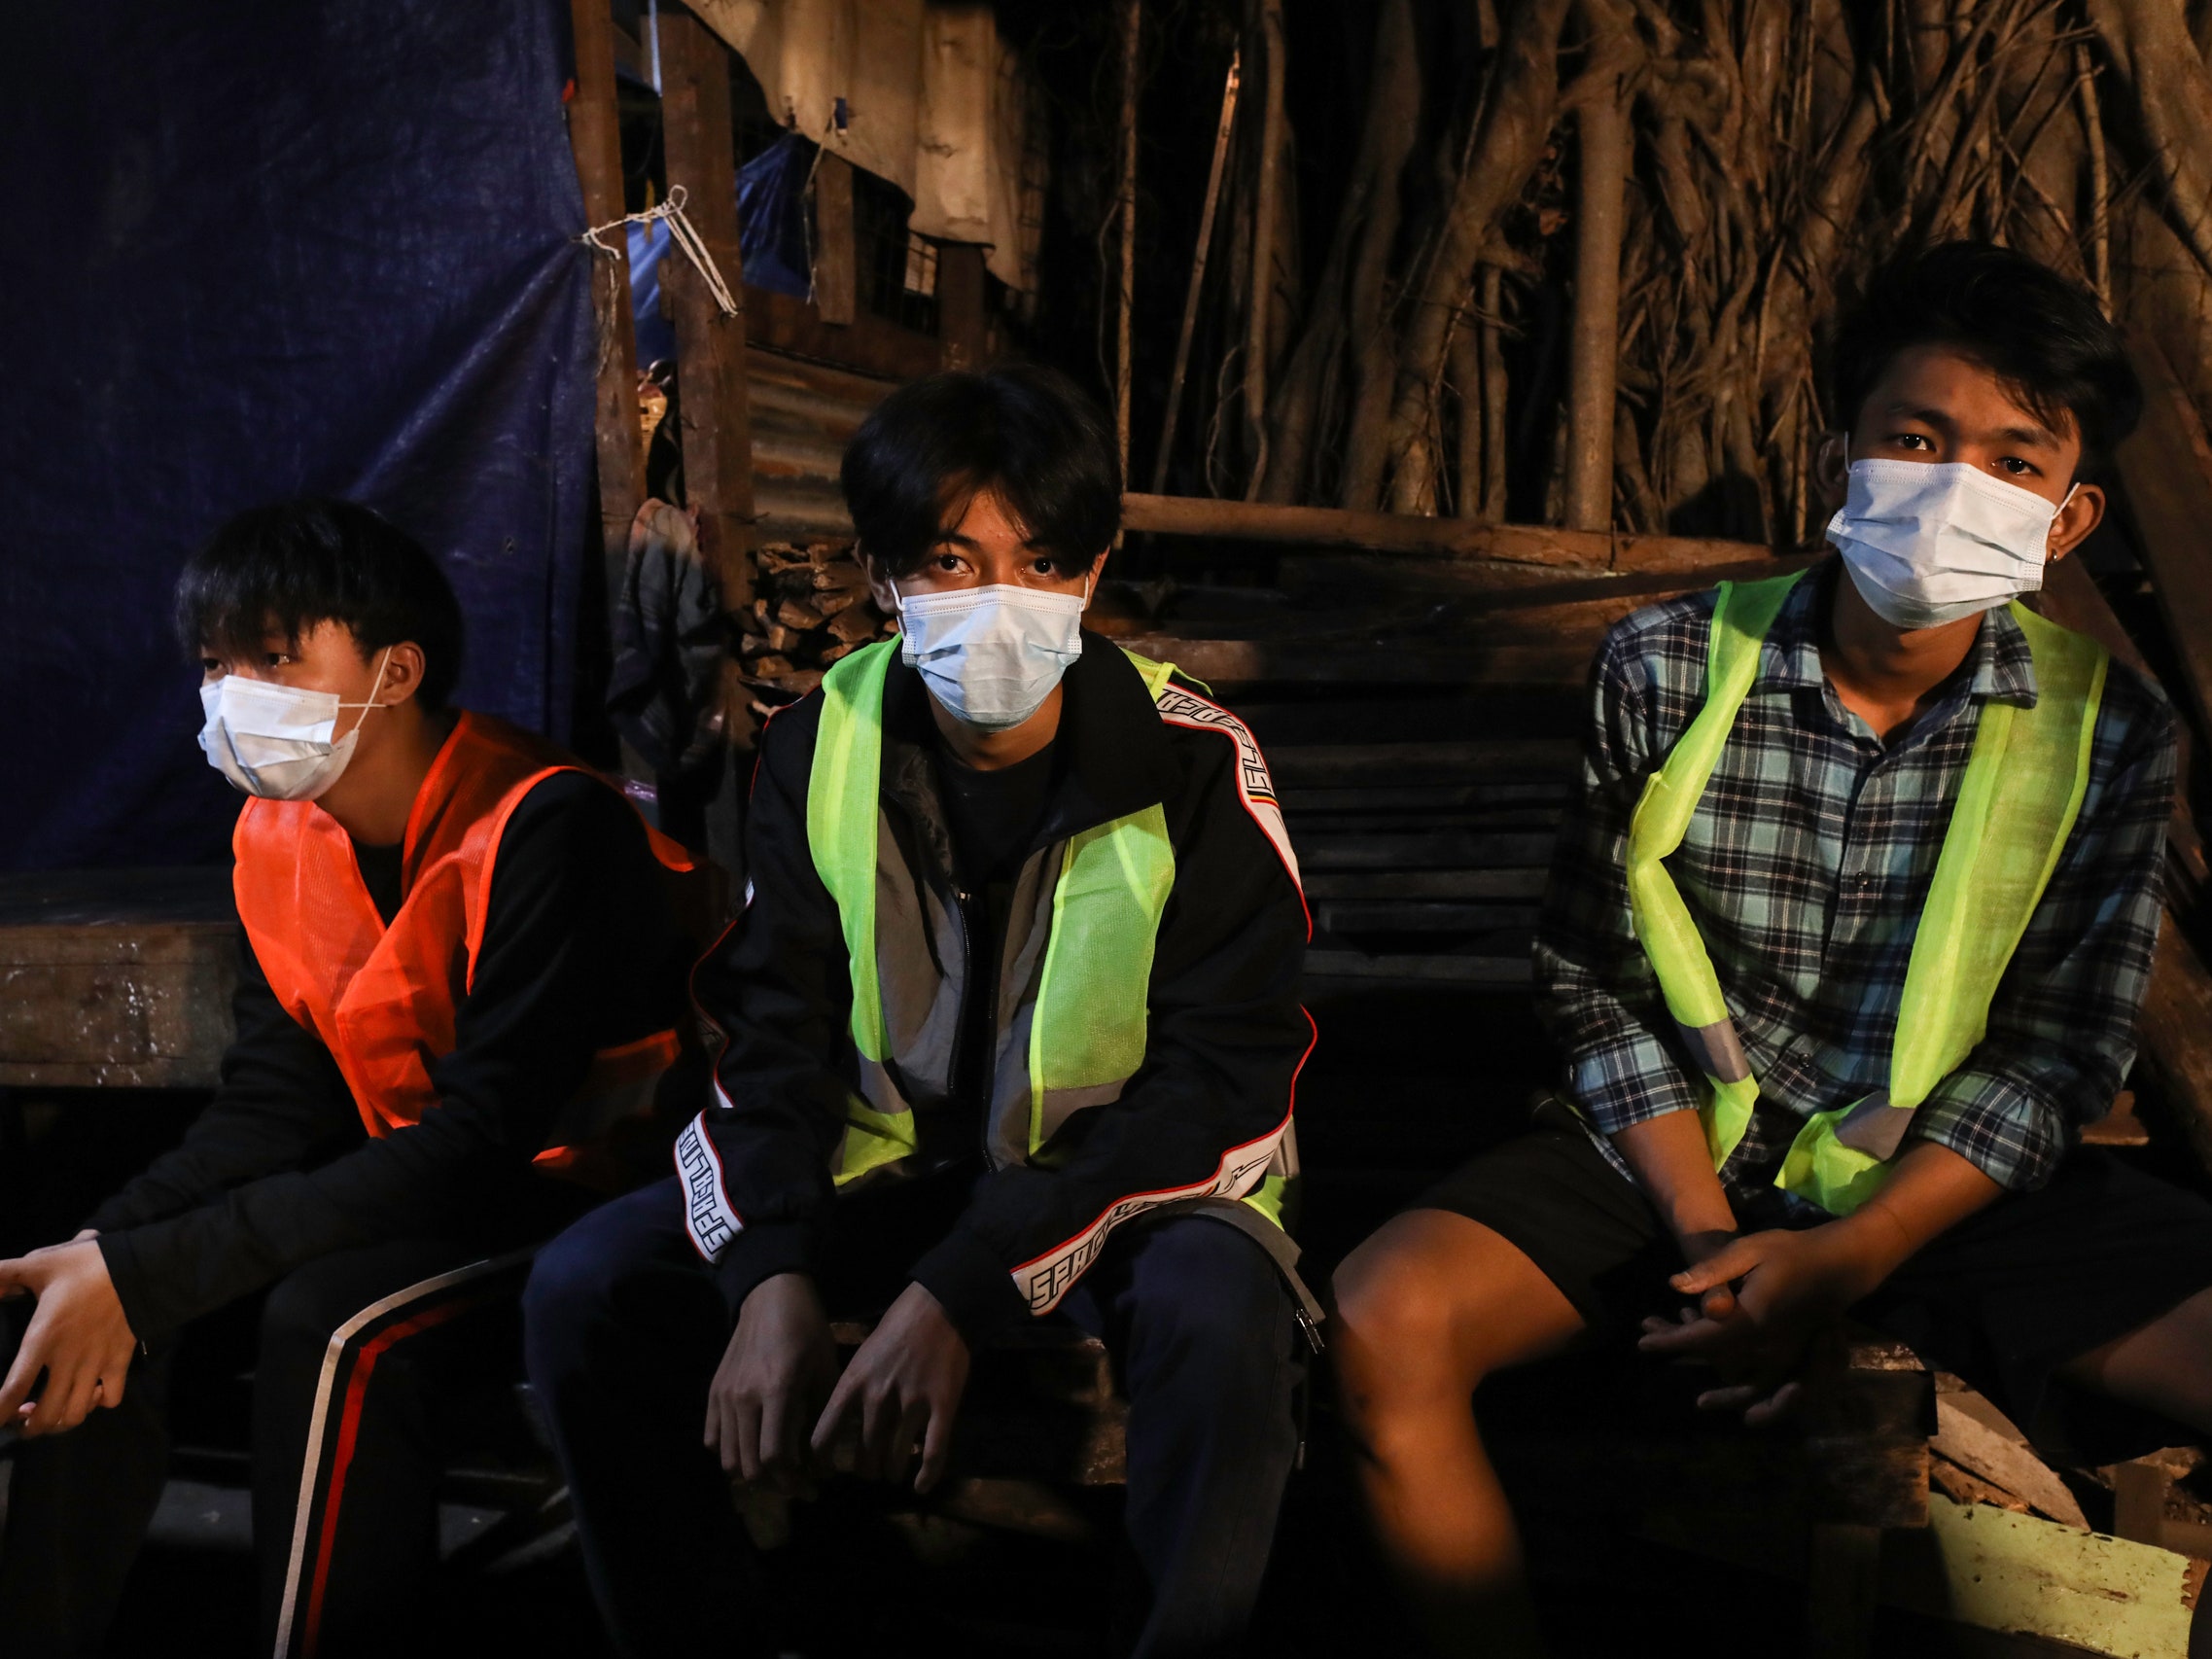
[(1762, 1299), (78, 1338), (767, 1418)]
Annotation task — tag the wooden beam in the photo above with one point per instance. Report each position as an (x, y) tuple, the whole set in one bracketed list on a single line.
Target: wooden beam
[(1437, 538), (963, 323), (709, 345), (836, 270), (2166, 466), (1594, 347), (595, 136)]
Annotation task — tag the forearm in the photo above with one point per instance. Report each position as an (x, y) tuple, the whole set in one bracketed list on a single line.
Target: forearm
[(1674, 1168), (1930, 1190)]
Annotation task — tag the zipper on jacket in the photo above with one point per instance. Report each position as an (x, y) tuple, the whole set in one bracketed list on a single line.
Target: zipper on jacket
[(959, 1081)]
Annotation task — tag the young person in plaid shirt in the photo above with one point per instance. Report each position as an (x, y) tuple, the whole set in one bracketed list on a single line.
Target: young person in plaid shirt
[(1990, 1242)]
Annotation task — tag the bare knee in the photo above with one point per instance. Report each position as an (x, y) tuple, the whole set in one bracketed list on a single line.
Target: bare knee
[(1433, 1303)]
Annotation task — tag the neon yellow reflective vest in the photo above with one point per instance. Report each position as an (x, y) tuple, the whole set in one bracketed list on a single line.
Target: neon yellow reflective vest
[(1087, 1020), (2017, 803)]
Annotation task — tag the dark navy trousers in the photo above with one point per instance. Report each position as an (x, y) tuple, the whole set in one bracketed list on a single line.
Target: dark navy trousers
[(624, 1325)]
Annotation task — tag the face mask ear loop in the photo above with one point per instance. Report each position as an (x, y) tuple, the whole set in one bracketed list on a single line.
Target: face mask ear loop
[(383, 662)]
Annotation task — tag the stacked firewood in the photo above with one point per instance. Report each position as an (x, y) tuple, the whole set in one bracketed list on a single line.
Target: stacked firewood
[(811, 607)]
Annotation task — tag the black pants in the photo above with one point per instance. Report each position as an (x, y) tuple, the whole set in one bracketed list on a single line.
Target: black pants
[(624, 1325), (357, 1350)]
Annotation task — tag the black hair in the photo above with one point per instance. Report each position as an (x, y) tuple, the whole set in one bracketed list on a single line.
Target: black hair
[(292, 564), (1022, 431), (2044, 337)]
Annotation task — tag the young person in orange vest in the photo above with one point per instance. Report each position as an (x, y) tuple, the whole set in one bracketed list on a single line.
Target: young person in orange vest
[(1844, 946), (460, 978)]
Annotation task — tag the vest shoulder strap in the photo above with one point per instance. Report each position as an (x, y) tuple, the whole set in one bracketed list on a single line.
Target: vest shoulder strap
[(841, 794), (2018, 800)]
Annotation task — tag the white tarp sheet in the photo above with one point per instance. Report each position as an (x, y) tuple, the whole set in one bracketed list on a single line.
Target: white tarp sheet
[(933, 101)]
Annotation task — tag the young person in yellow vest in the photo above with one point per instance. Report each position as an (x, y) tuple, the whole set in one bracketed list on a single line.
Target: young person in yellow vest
[(1844, 945), (460, 980), (1010, 1028)]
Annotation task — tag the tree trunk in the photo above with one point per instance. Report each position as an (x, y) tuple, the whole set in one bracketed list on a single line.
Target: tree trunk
[(1266, 213), (1516, 122), (1393, 107), (1394, 117)]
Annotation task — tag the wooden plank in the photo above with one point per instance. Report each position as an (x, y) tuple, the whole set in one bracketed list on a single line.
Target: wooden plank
[(1319, 763), (1441, 538), (868, 345), (1424, 970), (836, 267), (963, 323), (716, 407), (1971, 1433), (130, 1007), (1418, 797), (1419, 916), (1526, 883), (1442, 849), (2167, 468), (595, 137), (1992, 1569)]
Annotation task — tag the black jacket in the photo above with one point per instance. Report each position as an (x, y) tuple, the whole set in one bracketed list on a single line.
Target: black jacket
[(1226, 1034), (579, 953)]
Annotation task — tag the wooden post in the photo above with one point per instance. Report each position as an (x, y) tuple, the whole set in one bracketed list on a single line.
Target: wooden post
[(1132, 32), (1197, 277), (595, 136), (1603, 126), (963, 325), (834, 274), (709, 346)]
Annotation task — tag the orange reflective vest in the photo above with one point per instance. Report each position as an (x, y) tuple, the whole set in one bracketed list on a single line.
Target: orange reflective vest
[(383, 999)]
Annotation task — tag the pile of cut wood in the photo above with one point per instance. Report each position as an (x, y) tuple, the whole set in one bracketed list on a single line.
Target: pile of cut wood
[(811, 607)]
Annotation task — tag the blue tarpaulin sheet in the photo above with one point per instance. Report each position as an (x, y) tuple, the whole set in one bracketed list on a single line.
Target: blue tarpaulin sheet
[(261, 249)]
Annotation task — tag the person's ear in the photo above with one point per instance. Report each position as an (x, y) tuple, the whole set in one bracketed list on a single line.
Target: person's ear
[(1831, 470), (881, 589), (404, 666), (2083, 513), (1095, 576)]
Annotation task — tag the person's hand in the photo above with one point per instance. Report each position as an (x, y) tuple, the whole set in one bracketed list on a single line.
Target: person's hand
[(904, 1385), (1718, 1302), (773, 1375), (78, 1336), (1788, 1286)]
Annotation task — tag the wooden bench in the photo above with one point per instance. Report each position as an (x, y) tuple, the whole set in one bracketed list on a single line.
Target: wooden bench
[(116, 979)]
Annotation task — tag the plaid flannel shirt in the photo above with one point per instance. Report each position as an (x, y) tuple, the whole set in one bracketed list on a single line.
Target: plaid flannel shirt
[(1805, 867)]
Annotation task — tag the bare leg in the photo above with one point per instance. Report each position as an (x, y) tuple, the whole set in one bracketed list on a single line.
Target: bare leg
[(1426, 1309), (2165, 1366)]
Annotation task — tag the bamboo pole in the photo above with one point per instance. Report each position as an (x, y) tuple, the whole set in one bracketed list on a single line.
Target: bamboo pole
[(1132, 30), (1197, 276), (1266, 207), (1602, 125)]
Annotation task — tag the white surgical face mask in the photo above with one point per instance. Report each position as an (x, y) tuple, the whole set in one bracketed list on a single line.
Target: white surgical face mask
[(1927, 543), (274, 741), (992, 655)]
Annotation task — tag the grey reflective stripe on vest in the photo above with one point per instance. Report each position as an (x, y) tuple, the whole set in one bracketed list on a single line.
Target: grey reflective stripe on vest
[(1716, 1050)]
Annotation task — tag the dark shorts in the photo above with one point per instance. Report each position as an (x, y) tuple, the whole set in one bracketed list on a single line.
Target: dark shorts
[(2004, 1298)]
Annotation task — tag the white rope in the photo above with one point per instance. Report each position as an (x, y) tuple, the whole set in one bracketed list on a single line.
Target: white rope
[(687, 239)]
